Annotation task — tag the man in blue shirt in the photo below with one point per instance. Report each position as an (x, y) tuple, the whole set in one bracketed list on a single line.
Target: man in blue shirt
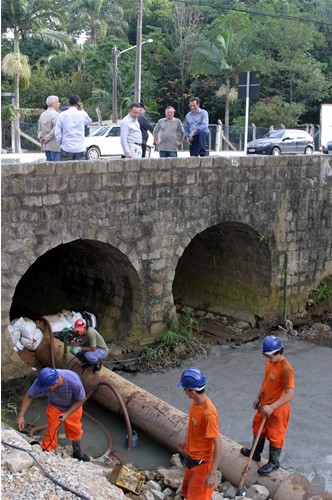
[(66, 395), (70, 130), (196, 128)]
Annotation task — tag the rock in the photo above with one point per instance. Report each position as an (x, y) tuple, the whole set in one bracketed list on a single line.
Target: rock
[(172, 477), (258, 492), (18, 461), (152, 485), (176, 460), (168, 493), (217, 496), (158, 495), (147, 495)]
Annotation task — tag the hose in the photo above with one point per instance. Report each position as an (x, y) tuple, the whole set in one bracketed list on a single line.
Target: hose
[(47, 474), (107, 384), (49, 328), (108, 451), (122, 405)]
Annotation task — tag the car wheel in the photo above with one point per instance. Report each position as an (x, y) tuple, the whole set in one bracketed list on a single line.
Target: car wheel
[(148, 152), (276, 152), (93, 153), (308, 150)]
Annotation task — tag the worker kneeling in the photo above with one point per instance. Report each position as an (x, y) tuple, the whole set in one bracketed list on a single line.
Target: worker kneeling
[(272, 402), (66, 395), (94, 348)]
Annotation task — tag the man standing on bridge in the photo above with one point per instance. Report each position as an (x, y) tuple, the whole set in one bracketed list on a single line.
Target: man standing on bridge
[(131, 135), (202, 447), (272, 402), (70, 130), (196, 128)]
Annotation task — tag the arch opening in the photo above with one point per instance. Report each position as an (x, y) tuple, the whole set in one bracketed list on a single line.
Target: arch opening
[(83, 275), (225, 270)]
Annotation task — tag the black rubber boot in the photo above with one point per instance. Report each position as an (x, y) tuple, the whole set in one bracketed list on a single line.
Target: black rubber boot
[(273, 462), (257, 454), (78, 453), (97, 366)]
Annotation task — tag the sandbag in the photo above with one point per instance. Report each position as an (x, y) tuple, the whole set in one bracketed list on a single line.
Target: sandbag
[(24, 333)]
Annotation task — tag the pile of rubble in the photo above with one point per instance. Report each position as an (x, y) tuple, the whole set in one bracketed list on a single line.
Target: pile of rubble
[(27, 472)]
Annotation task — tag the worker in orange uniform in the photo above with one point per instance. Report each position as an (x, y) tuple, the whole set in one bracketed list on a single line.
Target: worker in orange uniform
[(66, 395), (202, 448), (272, 402)]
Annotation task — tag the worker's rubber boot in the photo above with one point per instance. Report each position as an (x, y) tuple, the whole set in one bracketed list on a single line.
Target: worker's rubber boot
[(97, 366), (273, 462), (257, 454), (78, 453)]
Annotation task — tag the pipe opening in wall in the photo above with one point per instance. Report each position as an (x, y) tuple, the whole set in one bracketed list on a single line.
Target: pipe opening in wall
[(83, 275), (225, 271)]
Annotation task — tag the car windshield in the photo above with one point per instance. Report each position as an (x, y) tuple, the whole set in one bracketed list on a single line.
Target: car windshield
[(274, 134), (99, 131)]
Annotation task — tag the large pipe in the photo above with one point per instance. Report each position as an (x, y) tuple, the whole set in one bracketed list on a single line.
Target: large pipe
[(167, 425)]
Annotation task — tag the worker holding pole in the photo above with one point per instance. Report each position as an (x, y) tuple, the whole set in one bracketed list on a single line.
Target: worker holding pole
[(273, 403)]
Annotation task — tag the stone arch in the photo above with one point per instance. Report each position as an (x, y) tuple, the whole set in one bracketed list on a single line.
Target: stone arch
[(83, 275), (225, 269)]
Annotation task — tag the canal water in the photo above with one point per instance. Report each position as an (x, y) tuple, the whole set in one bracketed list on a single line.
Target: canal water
[(146, 455)]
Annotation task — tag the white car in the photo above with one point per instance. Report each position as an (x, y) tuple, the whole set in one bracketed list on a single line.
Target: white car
[(105, 141)]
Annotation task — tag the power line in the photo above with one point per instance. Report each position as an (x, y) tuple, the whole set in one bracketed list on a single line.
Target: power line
[(255, 13)]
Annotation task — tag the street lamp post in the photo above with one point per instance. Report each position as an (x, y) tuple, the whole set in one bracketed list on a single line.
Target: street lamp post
[(116, 54)]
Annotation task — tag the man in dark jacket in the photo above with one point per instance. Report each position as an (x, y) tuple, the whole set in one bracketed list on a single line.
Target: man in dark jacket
[(146, 127)]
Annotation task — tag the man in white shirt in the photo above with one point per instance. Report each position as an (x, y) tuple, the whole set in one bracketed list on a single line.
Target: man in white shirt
[(131, 135), (46, 129), (70, 130)]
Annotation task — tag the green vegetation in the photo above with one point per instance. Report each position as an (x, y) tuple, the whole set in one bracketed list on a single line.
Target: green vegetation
[(9, 413), (323, 294), (198, 49), (180, 341)]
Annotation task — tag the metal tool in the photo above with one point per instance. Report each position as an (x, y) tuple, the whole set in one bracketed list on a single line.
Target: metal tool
[(242, 490)]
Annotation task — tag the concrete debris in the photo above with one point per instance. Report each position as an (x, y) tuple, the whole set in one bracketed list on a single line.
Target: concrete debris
[(258, 492)]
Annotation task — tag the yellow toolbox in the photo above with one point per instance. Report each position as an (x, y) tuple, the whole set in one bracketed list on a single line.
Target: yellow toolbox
[(125, 478)]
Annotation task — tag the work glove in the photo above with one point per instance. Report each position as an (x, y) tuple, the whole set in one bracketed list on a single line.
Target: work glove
[(75, 350)]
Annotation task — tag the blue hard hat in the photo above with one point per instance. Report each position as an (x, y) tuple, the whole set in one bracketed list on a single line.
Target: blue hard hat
[(192, 379), (271, 344), (46, 378)]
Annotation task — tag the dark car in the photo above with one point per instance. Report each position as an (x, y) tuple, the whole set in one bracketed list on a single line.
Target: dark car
[(284, 141), (327, 149)]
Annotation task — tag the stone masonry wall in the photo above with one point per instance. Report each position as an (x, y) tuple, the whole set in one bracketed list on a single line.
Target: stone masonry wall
[(150, 210)]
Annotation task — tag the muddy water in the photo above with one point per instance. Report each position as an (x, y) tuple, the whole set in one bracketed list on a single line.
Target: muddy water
[(234, 376), (147, 453)]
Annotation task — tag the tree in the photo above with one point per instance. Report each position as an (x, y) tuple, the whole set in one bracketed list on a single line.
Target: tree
[(224, 58), (26, 18)]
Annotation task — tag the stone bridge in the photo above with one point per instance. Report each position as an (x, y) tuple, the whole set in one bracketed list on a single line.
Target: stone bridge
[(246, 237)]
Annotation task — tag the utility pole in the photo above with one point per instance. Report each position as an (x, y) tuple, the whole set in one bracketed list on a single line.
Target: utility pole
[(115, 85), (138, 67)]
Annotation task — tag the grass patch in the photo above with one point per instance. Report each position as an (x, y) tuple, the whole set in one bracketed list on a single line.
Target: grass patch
[(181, 340)]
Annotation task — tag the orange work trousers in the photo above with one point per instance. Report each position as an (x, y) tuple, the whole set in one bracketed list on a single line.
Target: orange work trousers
[(275, 426), (194, 485), (73, 427)]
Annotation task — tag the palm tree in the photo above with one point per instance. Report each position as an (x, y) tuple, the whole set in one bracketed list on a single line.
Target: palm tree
[(26, 18), (224, 59)]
